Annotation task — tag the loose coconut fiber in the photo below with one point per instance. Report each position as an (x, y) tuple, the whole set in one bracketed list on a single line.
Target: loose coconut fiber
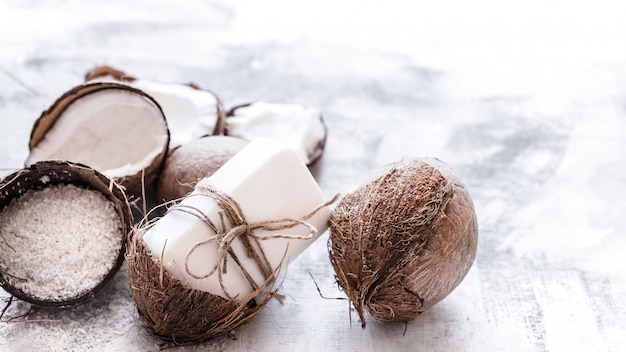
[(403, 242)]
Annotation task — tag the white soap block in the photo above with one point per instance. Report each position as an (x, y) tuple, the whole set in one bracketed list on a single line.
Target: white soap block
[(269, 182)]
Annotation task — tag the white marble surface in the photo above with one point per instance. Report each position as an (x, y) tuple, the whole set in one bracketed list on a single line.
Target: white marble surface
[(526, 101)]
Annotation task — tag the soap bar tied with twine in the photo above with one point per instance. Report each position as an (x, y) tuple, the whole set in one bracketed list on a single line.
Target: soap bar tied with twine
[(240, 229), (180, 314)]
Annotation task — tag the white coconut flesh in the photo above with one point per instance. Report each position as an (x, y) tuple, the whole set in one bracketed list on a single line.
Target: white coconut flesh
[(191, 113), (117, 131), (59, 242), (298, 127)]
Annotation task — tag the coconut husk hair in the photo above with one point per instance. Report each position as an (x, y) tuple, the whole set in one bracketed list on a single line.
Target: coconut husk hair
[(404, 241), (177, 313)]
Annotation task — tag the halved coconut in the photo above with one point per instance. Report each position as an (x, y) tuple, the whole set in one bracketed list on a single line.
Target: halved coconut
[(191, 112), (178, 313), (116, 129), (63, 228), (193, 161), (300, 127)]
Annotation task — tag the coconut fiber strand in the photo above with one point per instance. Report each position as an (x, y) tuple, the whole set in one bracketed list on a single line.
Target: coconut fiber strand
[(402, 242)]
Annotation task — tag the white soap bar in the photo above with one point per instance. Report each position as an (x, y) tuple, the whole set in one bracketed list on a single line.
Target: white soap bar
[(269, 182)]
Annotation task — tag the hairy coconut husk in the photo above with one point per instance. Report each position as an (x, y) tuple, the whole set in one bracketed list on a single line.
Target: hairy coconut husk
[(178, 313), (105, 72), (311, 156), (48, 173), (404, 241), (134, 184), (193, 161)]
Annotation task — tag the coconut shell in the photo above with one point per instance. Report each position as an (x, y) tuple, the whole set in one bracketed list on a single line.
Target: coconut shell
[(177, 313), (404, 241), (108, 71), (47, 173), (134, 184), (193, 161)]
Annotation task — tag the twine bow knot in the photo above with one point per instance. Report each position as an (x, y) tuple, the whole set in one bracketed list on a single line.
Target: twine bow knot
[(233, 225)]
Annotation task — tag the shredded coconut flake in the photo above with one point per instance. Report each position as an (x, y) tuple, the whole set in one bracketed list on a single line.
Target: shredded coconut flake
[(59, 242)]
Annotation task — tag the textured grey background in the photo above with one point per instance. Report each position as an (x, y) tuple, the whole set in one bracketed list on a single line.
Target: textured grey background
[(526, 101)]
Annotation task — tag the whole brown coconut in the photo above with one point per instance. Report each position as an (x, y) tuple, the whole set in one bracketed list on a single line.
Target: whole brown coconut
[(193, 161), (404, 241), (106, 233)]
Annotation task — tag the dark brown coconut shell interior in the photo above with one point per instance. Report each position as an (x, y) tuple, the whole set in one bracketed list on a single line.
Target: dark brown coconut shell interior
[(177, 313), (135, 184), (46, 173), (314, 156)]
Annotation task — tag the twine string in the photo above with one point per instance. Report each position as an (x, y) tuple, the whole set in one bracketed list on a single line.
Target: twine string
[(233, 225)]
